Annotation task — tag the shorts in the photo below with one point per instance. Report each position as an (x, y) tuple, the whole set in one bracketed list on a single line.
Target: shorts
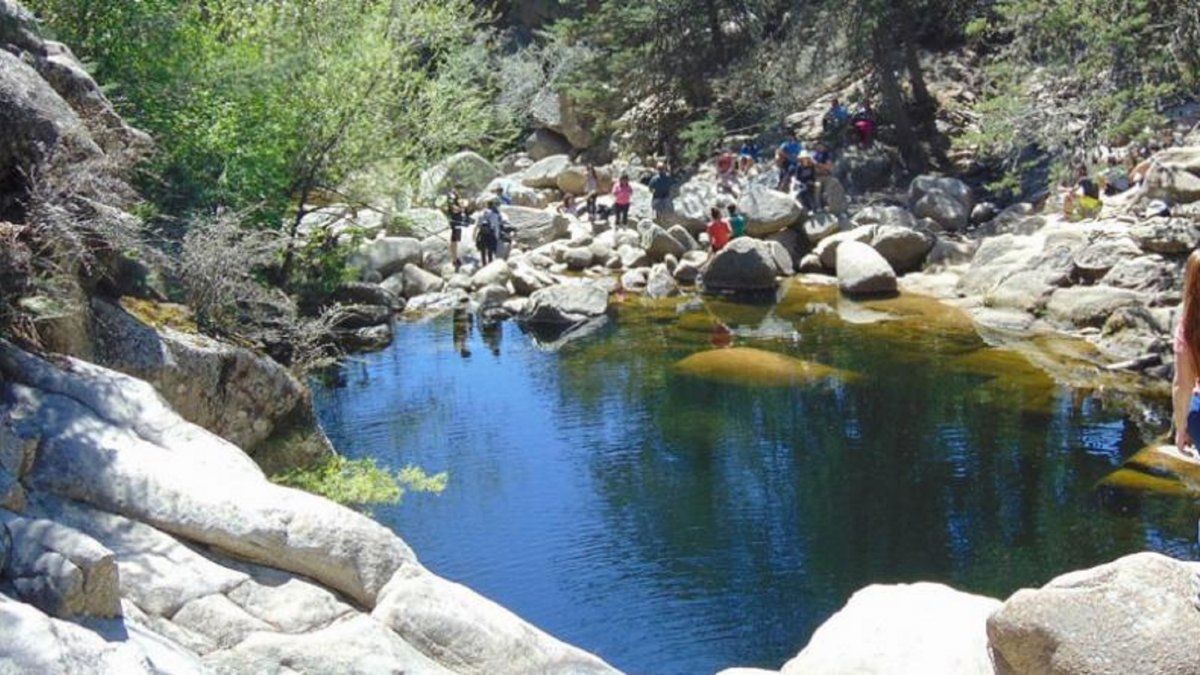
[(661, 205), (1193, 418), (455, 234)]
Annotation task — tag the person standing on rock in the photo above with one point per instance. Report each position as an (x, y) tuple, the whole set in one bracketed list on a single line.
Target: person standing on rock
[(1185, 390), (719, 232), (622, 200), (488, 231), (737, 222), (456, 212), (660, 193), (591, 188)]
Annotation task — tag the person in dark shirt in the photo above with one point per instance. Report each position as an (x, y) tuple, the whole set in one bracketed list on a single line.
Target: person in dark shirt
[(660, 192)]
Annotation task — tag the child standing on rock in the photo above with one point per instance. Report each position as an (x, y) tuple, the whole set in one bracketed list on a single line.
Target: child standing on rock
[(623, 197)]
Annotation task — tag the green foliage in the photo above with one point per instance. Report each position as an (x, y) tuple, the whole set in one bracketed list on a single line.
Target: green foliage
[(701, 138), (1077, 72), (361, 482), (257, 106)]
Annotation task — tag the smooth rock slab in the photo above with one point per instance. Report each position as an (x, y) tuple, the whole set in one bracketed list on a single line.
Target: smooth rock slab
[(470, 635), (566, 304), (917, 629), (1135, 615)]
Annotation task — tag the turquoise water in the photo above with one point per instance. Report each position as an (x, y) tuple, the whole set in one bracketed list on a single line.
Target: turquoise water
[(673, 523)]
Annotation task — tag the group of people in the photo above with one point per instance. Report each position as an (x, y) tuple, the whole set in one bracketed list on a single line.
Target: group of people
[(840, 125), (491, 227)]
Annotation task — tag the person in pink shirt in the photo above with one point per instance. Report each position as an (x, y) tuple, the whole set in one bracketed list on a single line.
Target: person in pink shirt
[(623, 196), (1185, 390)]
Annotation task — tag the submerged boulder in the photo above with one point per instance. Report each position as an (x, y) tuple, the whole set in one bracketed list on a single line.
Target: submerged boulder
[(755, 367), (907, 629), (1135, 615)]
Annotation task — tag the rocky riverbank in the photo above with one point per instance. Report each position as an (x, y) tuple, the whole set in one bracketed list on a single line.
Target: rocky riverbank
[(1134, 615)]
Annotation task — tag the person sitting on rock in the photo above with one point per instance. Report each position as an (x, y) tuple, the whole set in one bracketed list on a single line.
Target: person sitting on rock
[(864, 123), (786, 158), (727, 180), (806, 182), (748, 155), (502, 195), (1083, 201), (719, 232), (835, 121), (737, 222), (622, 200), (591, 188), (568, 207), (660, 192), (1185, 389)]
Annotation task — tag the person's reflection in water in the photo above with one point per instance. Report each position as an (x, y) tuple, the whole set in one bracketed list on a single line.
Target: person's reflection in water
[(492, 333), (722, 337), (462, 332)]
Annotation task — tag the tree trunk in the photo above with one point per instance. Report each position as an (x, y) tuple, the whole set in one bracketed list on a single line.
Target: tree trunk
[(893, 104), (714, 28)]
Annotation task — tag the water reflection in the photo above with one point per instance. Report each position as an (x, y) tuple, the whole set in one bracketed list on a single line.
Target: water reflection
[(679, 525)]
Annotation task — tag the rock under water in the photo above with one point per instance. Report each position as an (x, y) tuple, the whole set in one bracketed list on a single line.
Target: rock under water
[(756, 367)]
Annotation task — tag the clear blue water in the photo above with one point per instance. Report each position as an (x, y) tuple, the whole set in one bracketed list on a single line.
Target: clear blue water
[(672, 524)]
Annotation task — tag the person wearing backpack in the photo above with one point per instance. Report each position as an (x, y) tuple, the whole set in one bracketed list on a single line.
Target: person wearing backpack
[(488, 231)]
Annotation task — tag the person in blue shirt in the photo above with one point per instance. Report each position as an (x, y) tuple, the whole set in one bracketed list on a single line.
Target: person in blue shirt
[(836, 122), (748, 155), (787, 158)]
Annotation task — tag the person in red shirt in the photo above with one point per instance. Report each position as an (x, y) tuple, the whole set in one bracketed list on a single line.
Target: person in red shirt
[(719, 232)]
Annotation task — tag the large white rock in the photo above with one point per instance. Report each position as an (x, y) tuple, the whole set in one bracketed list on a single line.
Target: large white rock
[(566, 304), (574, 180), (466, 169), (862, 271), (533, 227), (657, 243), (359, 645), (35, 643), (558, 113), (1083, 306), (1175, 175), (1135, 615), (904, 248), (61, 570), (471, 635), (746, 264), (947, 201), (387, 255), (917, 629), (768, 211), (419, 282), (517, 192), (544, 173)]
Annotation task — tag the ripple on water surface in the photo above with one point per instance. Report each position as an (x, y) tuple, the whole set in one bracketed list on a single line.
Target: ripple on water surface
[(680, 524)]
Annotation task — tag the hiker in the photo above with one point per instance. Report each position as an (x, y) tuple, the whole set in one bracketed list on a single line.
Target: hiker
[(488, 231), (502, 195), (623, 198), (864, 123), (786, 159), (456, 212), (822, 159), (737, 222), (591, 188), (835, 121), (727, 180), (568, 207), (719, 232), (806, 182), (1185, 390), (748, 155), (660, 192), (1082, 202)]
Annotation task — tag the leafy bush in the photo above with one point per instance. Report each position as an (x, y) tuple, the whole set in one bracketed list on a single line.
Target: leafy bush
[(361, 483), (701, 138)]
